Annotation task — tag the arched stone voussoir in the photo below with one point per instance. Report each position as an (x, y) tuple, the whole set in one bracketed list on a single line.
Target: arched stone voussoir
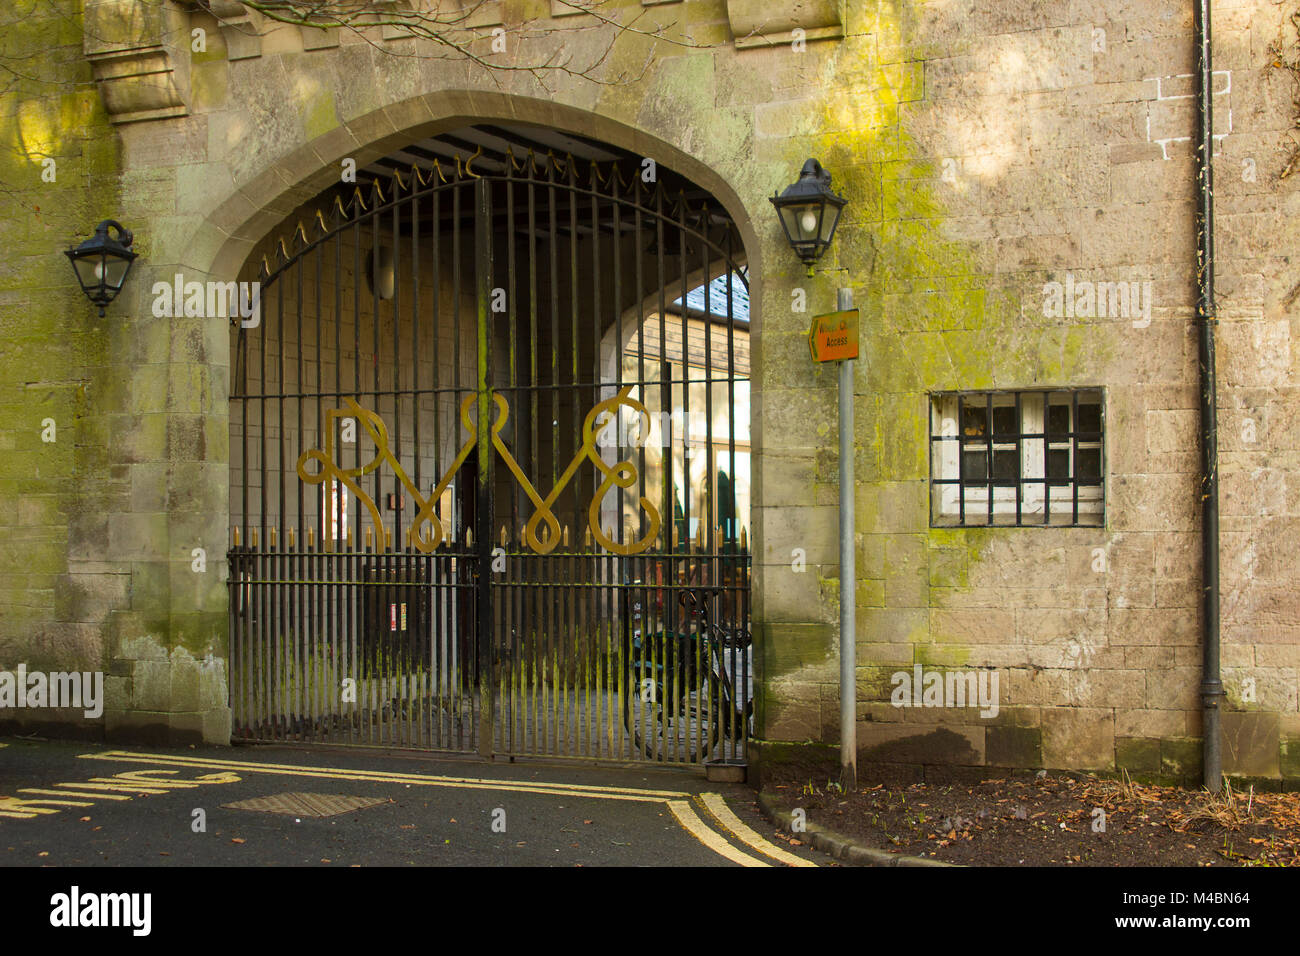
[(258, 205)]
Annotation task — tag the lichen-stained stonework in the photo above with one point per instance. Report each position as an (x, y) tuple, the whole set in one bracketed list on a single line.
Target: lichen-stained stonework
[(985, 149)]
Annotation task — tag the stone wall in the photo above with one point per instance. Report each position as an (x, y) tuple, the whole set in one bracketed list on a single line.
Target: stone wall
[(985, 151)]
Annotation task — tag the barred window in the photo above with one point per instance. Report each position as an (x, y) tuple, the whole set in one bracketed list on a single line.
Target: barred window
[(1017, 458)]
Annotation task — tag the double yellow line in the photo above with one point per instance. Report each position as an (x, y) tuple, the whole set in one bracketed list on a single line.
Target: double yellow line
[(718, 809), (678, 802)]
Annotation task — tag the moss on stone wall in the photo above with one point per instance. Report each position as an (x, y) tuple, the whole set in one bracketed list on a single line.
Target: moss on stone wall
[(59, 170)]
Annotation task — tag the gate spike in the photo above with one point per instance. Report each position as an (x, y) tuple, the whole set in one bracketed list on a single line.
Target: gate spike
[(587, 538), (236, 536), (744, 538), (388, 539), (369, 536), (293, 538), (255, 537), (504, 539), (273, 535), (564, 540), (469, 538), (311, 538), (350, 543)]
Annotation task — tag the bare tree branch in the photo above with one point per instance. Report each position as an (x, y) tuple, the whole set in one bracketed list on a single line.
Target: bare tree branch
[(449, 30)]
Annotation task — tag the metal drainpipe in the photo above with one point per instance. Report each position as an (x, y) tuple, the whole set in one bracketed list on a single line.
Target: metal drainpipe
[(1207, 319)]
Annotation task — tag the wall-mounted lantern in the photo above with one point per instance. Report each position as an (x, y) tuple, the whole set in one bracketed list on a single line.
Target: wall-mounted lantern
[(809, 212), (102, 263)]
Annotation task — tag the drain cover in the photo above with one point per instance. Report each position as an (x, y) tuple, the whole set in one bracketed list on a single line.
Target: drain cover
[(306, 804)]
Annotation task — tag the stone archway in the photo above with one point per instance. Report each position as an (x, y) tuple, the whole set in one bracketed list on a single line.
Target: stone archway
[(235, 226)]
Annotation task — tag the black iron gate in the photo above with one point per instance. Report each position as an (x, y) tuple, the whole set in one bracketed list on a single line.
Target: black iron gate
[(490, 471)]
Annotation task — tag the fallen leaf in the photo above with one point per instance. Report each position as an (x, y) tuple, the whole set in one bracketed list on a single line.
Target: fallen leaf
[(327, 861), (85, 819), (236, 840), (44, 853), (586, 821)]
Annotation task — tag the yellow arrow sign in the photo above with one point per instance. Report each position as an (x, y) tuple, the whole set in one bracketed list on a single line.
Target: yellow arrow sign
[(834, 336)]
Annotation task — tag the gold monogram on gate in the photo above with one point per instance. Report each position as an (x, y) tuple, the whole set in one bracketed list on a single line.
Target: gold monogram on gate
[(427, 530)]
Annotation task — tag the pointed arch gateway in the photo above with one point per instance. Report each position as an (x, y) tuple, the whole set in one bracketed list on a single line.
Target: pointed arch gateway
[(490, 460)]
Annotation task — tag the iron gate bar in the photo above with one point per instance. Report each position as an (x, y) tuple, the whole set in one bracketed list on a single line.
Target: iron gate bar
[(486, 460)]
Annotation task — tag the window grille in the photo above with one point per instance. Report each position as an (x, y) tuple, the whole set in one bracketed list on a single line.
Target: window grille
[(1017, 458)]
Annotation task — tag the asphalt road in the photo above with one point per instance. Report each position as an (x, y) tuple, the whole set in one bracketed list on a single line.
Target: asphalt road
[(76, 804)]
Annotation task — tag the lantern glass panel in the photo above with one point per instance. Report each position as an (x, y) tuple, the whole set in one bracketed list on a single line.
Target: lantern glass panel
[(789, 222), (115, 270), (810, 217), (828, 222), (89, 269)]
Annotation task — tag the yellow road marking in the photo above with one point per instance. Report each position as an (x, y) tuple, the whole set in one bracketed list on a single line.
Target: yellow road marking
[(132, 783), (714, 803), (374, 776), (60, 803), (101, 783), (15, 809), (693, 825), (72, 793), (677, 801)]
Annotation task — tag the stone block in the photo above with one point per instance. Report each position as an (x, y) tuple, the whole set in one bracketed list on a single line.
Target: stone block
[(1020, 747), (989, 626), (1180, 757), (1137, 754), (1251, 745), (151, 683), (1078, 738), (908, 743)]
